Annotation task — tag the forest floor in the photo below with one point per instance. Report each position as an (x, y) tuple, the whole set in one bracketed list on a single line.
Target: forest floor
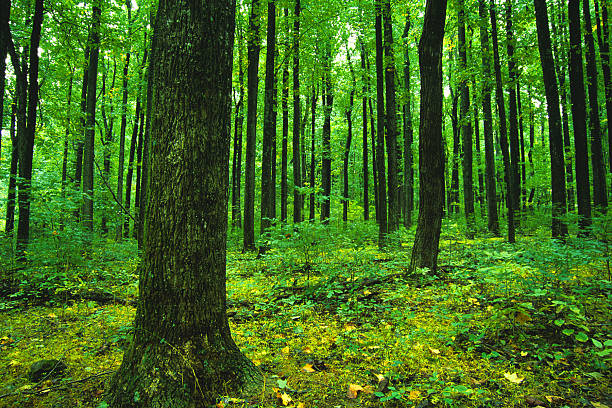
[(334, 322)]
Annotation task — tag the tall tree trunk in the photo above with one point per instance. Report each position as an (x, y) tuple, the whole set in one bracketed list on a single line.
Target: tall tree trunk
[(25, 138), (80, 142), (391, 122), (583, 192), (503, 132), (313, 109), (477, 145), (492, 216), (130, 168), (66, 140), (182, 340), (466, 129), (9, 224), (251, 132), (380, 128), (88, 151), (454, 188), (408, 132), (139, 149), (297, 172), (367, 76), (522, 146), (237, 158), (326, 158), (431, 153), (106, 140), (349, 139), (600, 196), (122, 132), (268, 189), (603, 36), (5, 11), (285, 142), (557, 171), (513, 116)]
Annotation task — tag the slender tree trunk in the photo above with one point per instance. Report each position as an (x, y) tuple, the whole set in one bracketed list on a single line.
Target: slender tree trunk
[(431, 153), (408, 131), (503, 132), (557, 171), (313, 109), (269, 127), (120, 168), (130, 168), (66, 140), (107, 139), (5, 11), (349, 139), (297, 172), (477, 145), (466, 130), (182, 341), (326, 161), (367, 74), (513, 133), (522, 146), (9, 224), (583, 192), (454, 190), (600, 196), (238, 121), (380, 128), (251, 132), (139, 149), (492, 216), (80, 142)]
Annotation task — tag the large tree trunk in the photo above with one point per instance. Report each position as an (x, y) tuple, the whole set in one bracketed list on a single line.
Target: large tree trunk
[(26, 137), (603, 36), (491, 189), (379, 160), (269, 126), (408, 132), (466, 129), (557, 171), (251, 131), (182, 353), (391, 122), (600, 197), (583, 192), (503, 131), (431, 153)]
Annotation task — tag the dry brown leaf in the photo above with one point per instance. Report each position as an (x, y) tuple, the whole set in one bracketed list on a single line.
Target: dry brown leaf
[(352, 391), (522, 317)]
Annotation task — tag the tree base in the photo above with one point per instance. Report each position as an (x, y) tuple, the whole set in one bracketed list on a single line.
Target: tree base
[(162, 375)]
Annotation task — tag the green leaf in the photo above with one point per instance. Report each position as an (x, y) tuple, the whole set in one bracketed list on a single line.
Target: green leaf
[(559, 322), (597, 343), (582, 337), (568, 332)]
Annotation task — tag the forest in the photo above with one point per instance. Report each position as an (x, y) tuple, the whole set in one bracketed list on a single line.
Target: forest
[(263, 203)]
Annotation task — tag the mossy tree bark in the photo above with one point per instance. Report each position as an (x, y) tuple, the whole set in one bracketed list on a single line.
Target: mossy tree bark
[(182, 354)]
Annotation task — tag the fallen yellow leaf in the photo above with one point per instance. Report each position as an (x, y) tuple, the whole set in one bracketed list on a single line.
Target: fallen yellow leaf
[(434, 351), (514, 378), (352, 391), (308, 368), (414, 394), (599, 405), (285, 350)]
